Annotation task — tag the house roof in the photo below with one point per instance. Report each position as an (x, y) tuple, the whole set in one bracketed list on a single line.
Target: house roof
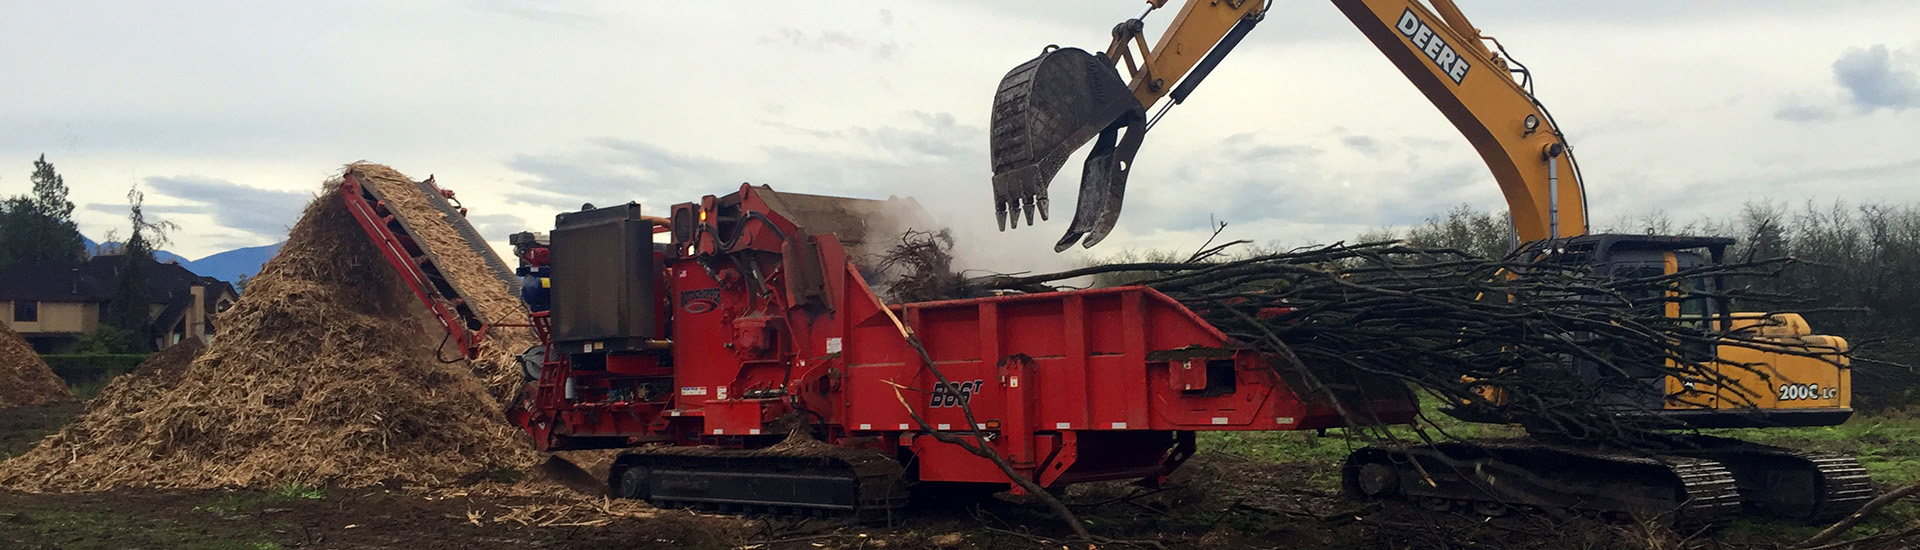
[(93, 280), (215, 290), (175, 311)]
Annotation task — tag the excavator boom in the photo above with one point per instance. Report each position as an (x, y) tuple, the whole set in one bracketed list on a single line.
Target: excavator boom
[(1447, 59), (1057, 102), (1050, 106)]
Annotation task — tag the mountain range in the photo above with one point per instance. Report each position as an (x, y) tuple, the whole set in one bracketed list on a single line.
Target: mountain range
[(226, 266)]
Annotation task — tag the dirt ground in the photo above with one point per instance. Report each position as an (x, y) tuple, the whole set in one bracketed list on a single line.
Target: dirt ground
[(382, 518), (1216, 501), (21, 427), (364, 518)]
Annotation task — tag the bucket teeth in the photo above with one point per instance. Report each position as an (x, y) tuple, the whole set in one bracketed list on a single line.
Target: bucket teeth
[(1045, 109)]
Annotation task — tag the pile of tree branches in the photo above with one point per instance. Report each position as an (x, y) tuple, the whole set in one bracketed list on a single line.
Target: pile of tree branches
[(919, 268), (1525, 338), (1537, 337)]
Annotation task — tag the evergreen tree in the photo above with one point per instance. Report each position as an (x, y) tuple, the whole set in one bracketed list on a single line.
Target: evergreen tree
[(129, 309), (39, 227), (50, 192)]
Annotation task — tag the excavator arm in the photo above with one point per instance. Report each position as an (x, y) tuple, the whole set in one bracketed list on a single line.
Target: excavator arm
[(1050, 106), (1448, 60)]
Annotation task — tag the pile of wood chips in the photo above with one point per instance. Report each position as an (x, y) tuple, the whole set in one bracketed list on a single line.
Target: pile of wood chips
[(324, 373), (25, 380)]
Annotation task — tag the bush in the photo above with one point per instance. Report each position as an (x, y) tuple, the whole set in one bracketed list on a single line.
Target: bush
[(107, 339), (81, 368)]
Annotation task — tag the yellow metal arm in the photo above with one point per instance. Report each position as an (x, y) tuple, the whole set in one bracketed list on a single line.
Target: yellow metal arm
[(1444, 56), (1447, 60), (1198, 27)]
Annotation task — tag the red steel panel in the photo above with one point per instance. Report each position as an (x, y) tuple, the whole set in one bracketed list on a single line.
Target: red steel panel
[(1073, 386)]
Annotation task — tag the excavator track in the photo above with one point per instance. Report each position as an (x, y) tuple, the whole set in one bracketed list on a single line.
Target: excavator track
[(811, 480), (1846, 486), (1493, 478), (1786, 484)]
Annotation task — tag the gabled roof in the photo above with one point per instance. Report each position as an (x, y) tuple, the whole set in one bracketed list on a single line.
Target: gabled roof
[(93, 280), (175, 311)]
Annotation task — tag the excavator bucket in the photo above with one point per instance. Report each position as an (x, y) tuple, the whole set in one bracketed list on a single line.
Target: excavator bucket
[(1044, 110)]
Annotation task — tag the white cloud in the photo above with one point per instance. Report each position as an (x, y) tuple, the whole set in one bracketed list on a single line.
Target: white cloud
[(528, 108), (1876, 79), (1870, 79)]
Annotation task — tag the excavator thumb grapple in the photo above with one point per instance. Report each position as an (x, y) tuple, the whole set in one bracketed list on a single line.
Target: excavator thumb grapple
[(1044, 110)]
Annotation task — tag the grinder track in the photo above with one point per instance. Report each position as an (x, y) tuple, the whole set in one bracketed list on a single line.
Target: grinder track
[(807, 480)]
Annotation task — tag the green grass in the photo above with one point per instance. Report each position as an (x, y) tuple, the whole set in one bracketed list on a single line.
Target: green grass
[(80, 522), (245, 501), (1888, 446), (95, 529), (1325, 453), (1759, 534), (86, 390), (296, 491), (231, 503)]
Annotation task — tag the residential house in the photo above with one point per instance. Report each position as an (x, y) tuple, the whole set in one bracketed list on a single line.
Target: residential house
[(53, 304)]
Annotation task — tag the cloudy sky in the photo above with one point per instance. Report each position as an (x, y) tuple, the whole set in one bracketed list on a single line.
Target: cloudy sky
[(230, 114)]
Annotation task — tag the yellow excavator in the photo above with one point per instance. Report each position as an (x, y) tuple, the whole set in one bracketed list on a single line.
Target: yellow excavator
[(1047, 108)]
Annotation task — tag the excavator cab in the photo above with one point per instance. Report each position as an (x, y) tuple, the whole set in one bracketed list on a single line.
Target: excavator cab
[(1716, 479), (1760, 388)]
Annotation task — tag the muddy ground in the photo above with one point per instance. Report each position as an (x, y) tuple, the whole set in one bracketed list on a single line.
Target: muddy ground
[(22, 427), (1218, 501)]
